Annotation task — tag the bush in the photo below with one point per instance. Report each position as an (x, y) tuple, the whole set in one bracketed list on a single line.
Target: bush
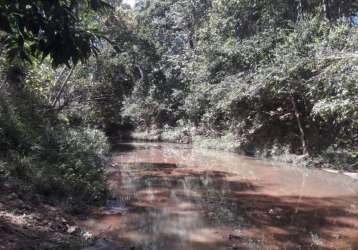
[(71, 168), (41, 149)]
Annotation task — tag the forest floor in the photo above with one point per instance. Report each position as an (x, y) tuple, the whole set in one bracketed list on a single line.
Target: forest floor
[(26, 222)]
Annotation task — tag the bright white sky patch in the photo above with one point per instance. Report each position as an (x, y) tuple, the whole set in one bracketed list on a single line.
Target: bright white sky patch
[(130, 2)]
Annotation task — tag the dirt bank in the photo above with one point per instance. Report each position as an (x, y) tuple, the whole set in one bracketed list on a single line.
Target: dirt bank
[(26, 222)]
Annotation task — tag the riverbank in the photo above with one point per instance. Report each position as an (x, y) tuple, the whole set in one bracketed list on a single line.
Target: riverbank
[(337, 160), (27, 221)]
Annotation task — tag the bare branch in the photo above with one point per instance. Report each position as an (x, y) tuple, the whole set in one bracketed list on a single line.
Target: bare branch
[(59, 93)]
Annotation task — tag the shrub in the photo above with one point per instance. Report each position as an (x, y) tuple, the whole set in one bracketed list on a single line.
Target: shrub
[(49, 156), (71, 167)]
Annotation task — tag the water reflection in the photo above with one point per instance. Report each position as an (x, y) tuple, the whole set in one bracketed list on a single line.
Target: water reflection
[(179, 198)]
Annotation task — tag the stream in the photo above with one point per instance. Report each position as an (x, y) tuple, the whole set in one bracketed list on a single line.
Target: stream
[(173, 197)]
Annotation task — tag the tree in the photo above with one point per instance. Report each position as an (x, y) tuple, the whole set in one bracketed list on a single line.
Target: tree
[(58, 29)]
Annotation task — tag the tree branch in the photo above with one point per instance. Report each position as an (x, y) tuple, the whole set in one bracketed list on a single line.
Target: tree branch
[(59, 93)]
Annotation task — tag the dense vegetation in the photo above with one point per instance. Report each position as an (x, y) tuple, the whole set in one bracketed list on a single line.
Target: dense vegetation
[(260, 77), (40, 144)]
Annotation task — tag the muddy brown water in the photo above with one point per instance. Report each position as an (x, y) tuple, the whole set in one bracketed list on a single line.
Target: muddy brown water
[(171, 197)]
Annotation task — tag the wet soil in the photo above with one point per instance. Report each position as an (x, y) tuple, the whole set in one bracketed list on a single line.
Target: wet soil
[(173, 197)]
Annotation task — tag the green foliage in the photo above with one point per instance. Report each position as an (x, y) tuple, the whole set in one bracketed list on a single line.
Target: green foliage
[(40, 148), (77, 160), (251, 76), (67, 163), (42, 28), (238, 68)]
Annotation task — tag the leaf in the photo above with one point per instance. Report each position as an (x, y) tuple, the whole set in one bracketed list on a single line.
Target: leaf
[(99, 5)]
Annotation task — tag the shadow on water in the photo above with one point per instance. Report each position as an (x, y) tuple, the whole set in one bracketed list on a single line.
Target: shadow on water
[(123, 147), (174, 207)]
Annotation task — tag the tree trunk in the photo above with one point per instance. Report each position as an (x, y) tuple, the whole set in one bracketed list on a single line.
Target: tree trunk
[(326, 9), (299, 10), (52, 98), (300, 127), (59, 93)]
